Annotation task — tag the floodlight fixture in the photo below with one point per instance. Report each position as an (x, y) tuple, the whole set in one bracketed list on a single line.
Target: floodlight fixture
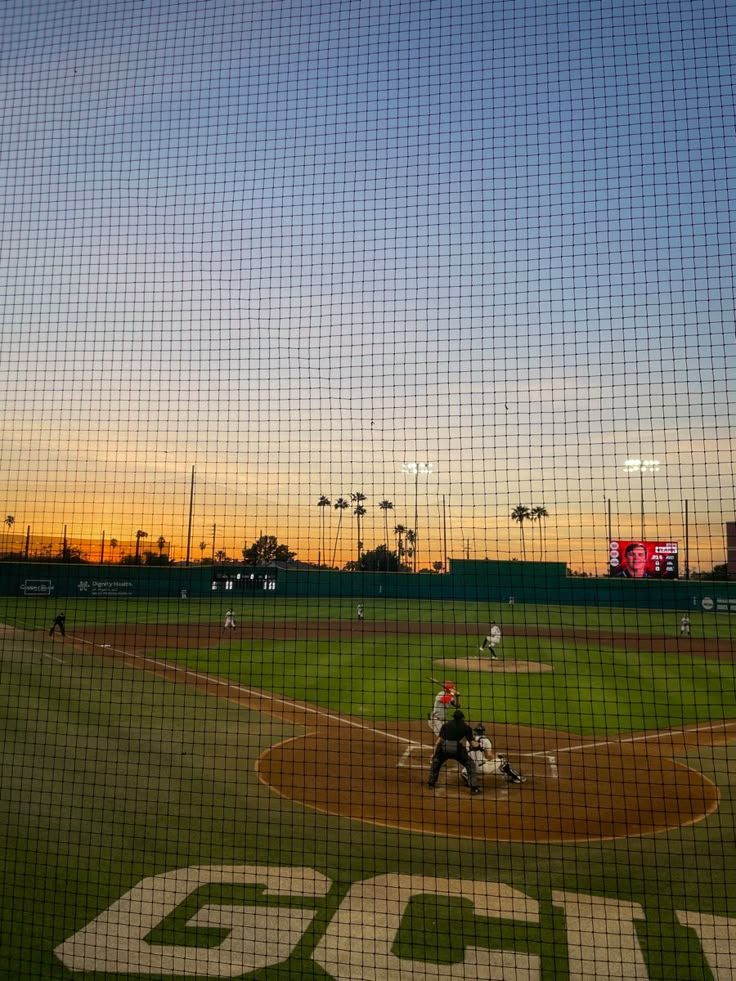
[(644, 468), (641, 466), (417, 469)]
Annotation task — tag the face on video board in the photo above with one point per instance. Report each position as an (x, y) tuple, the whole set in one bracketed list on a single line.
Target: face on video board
[(642, 560)]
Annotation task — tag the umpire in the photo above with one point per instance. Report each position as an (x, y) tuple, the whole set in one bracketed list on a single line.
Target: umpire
[(454, 738)]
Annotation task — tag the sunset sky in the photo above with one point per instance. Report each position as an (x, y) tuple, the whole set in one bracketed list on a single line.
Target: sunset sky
[(295, 244)]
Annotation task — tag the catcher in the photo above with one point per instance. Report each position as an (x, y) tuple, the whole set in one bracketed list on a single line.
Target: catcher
[(445, 700), (486, 761)]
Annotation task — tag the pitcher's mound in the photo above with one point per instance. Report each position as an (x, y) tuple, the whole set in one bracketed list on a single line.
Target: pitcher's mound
[(499, 666)]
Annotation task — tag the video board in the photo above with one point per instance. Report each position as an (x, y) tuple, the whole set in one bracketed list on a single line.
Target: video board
[(636, 559)]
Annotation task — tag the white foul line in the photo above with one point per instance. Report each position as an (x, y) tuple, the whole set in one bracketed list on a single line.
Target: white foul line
[(213, 680), (661, 734)]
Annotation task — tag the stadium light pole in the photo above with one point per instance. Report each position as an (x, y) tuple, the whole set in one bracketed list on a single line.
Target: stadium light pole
[(642, 467), (416, 469)]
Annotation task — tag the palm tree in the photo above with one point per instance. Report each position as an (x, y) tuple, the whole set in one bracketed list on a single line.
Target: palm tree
[(520, 514), (411, 540), (340, 505), (221, 555), (357, 498), (538, 513), (8, 522), (202, 547), (138, 536), (113, 544), (322, 503), (386, 506), (399, 531), (161, 542), (359, 513)]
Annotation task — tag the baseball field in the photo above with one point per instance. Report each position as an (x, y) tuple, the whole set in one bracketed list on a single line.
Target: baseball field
[(178, 800)]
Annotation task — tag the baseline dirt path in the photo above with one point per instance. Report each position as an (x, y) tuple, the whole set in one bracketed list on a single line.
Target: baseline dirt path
[(199, 634), (578, 789)]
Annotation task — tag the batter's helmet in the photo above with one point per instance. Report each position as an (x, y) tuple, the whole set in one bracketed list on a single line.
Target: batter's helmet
[(448, 685)]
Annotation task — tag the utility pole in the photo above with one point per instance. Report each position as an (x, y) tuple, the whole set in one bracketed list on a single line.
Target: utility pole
[(444, 529), (191, 511)]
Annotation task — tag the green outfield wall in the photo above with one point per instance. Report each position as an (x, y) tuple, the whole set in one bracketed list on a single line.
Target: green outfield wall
[(468, 580)]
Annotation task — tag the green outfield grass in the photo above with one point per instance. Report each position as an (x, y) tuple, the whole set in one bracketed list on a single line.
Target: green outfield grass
[(110, 775)]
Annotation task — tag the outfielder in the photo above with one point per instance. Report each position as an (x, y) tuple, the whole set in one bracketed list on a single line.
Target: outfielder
[(445, 700), (486, 761), (229, 620), (492, 640), (685, 626)]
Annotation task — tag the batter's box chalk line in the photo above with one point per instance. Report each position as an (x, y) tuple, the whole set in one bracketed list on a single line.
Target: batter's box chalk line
[(417, 756)]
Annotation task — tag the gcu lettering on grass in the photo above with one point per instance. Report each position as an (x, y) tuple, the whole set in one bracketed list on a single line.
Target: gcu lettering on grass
[(358, 941)]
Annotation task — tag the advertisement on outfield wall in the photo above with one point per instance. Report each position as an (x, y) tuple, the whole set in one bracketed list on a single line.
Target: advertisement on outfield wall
[(105, 587), (642, 560), (718, 604)]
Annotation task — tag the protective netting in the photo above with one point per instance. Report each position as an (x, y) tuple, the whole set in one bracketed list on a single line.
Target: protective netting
[(360, 361)]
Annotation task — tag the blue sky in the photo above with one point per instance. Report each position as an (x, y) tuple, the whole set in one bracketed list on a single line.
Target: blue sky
[(295, 244)]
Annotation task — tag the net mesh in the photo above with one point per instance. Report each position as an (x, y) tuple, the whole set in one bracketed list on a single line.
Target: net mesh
[(349, 348)]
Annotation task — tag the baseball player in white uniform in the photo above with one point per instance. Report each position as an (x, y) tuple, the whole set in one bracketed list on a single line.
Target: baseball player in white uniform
[(229, 621), (685, 626), (486, 761), (492, 640), (445, 701)]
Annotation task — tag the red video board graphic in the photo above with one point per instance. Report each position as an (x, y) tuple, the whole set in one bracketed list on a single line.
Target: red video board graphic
[(642, 560)]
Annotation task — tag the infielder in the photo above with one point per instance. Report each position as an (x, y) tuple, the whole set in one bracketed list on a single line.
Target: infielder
[(486, 761), (229, 620), (444, 701), (492, 640), (60, 622)]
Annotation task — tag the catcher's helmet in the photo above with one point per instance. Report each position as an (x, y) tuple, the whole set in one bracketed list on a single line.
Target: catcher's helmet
[(448, 685), (480, 730)]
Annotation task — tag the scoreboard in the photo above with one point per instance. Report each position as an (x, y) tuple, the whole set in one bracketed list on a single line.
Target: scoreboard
[(245, 580)]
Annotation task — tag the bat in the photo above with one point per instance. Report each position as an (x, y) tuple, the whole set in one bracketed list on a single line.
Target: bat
[(457, 693), (440, 683)]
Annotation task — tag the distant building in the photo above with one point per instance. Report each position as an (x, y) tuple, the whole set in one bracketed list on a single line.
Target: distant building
[(731, 549)]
